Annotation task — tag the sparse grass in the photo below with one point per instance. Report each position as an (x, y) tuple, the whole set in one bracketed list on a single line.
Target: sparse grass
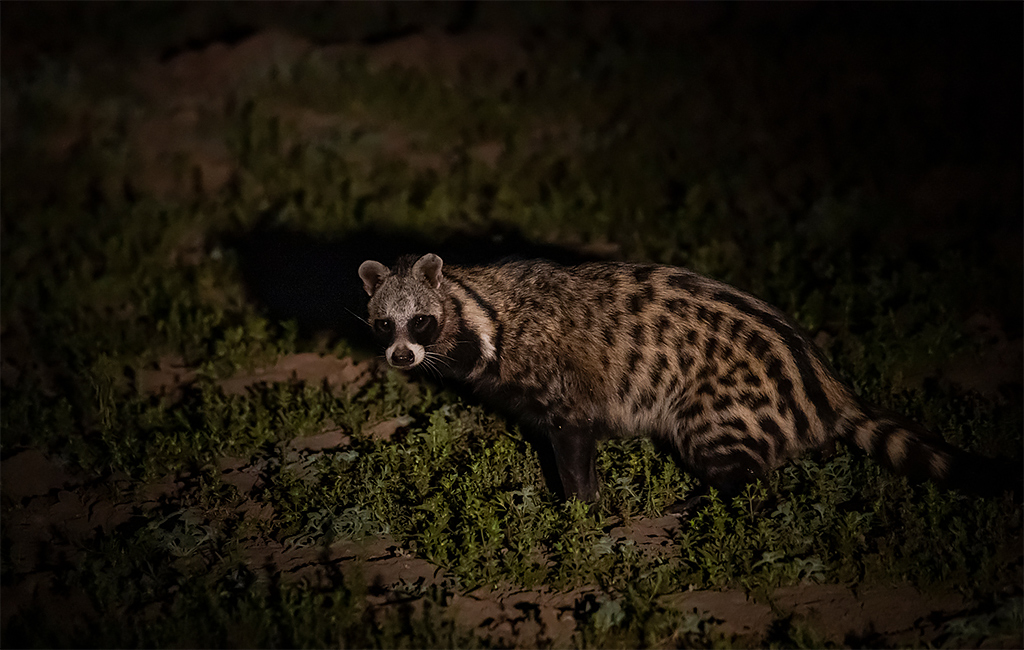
[(99, 284)]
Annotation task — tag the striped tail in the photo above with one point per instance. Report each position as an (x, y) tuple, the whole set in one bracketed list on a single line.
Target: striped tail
[(907, 448)]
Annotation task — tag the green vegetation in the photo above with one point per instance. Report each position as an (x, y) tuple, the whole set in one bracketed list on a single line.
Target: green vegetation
[(579, 144)]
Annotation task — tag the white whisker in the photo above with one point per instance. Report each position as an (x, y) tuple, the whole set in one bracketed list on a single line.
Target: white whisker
[(430, 364), (363, 320), (439, 360)]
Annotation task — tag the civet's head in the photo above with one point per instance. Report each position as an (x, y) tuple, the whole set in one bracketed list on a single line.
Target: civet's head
[(406, 307)]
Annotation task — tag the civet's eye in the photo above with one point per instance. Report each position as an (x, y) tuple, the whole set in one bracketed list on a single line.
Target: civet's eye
[(384, 326), (420, 323)]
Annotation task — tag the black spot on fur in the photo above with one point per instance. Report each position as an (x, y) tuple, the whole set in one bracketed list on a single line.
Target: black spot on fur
[(736, 367), (635, 304), (726, 352), (642, 273), (625, 385), (640, 334), (658, 369), (672, 384), (782, 406), (685, 362), (685, 281), (706, 371), (609, 336), (710, 347), (635, 357), (738, 325), (757, 344), (661, 326), (715, 321), (803, 425), (771, 427), (677, 306)]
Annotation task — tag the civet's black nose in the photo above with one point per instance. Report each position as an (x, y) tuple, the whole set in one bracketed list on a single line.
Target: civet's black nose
[(402, 357)]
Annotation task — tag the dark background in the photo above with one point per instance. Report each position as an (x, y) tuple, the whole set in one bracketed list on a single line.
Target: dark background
[(914, 107)]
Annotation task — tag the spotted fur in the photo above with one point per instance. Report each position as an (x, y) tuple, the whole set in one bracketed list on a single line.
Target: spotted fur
[(623, 349)]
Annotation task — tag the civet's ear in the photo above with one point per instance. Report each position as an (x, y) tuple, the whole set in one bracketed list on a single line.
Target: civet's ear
[(372, 273), (428, 268)]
